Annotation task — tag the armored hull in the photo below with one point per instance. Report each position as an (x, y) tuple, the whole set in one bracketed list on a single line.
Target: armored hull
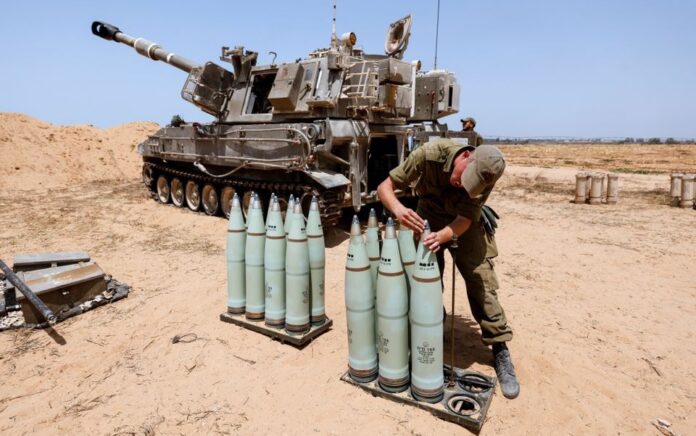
[(331, 125)]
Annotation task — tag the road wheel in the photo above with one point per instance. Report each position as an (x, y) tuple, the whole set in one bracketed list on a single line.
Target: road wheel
[(193, 195), (163, 190), (177, 189), (147, 176), (226, 198), (211, 201)]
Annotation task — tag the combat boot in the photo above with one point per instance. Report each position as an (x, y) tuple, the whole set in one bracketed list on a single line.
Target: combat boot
[(505, 371)]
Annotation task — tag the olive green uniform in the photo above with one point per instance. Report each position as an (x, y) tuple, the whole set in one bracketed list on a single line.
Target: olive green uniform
[(430, 167)]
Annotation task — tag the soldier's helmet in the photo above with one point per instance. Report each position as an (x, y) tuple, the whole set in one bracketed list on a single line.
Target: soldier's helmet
[(464, 120)]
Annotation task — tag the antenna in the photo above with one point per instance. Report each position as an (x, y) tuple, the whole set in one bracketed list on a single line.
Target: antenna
[(333, 26), (437, 32)]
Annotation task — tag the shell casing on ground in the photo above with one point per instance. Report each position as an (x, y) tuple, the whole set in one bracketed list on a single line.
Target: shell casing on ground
[(612, 188), (360, 310), (235, 252), (596, 188), (426, 320), (675, 185), (392, 319), (580, 188), (297, 276), (687, 191), (254, 265)]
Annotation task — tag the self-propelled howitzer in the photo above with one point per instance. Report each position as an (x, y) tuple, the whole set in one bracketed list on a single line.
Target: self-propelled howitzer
[(331, 125)]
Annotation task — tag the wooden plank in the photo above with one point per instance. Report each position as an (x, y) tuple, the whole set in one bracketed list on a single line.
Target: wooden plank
[(281, 335), (473, 422)]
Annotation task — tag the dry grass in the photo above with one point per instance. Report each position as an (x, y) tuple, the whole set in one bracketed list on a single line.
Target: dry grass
[(626, 158)]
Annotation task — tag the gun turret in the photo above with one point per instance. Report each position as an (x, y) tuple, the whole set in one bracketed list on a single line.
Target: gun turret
[(146, 48)]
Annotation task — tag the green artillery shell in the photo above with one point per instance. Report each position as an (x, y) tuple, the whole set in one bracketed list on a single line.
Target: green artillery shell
[(360, 309), (407, 248), (236, 245), (255, 284), (297, 275), (288, 213), (427, 377), (392, 316), (317, 263), (252, 196), (274, 266), (372, 237)]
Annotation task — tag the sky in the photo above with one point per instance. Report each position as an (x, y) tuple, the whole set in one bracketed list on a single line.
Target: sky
[(590, 68)]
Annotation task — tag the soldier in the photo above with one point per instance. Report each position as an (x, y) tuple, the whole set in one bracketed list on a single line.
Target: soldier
[(453, 183), (468, 125)]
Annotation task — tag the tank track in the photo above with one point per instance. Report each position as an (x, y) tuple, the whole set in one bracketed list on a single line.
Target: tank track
[(330, 201)]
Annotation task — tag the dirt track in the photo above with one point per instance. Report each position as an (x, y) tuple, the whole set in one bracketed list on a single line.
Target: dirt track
[(602, 300)]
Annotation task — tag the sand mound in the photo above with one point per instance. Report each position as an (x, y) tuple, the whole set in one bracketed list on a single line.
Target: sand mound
[(35, 154)]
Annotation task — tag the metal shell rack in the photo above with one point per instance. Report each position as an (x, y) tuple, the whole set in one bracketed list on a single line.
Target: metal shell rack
[(297, 340), (465, 404)]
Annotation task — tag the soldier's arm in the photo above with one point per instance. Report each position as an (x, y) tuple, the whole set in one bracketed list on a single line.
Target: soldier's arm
[(407, 217), (401, 177)]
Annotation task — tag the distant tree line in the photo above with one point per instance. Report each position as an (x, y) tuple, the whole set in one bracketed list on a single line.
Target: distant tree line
[(627, 140)]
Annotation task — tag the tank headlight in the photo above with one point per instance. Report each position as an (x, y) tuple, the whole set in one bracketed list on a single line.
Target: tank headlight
[(349, 39)]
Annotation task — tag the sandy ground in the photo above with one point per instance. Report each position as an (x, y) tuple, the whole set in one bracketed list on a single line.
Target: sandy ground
[(602, 300), (621, 158)]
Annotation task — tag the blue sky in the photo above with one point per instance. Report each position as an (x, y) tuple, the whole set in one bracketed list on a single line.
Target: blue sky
[(527, 68)]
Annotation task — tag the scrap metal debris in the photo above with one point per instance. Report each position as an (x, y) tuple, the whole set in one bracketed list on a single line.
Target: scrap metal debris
[(664, 427), (44, 288)]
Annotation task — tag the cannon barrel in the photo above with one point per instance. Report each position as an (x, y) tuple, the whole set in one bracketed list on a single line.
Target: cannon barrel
[(146, 48)]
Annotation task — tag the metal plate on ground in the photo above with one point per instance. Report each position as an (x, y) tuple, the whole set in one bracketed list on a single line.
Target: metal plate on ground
[(463, 404), (33, 261), (300, 340)]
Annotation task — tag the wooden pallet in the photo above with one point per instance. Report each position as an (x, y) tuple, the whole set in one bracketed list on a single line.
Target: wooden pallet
[(470, 419), (297, 340)]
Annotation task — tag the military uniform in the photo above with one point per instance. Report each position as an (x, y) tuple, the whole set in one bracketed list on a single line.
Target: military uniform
[(430, 167)]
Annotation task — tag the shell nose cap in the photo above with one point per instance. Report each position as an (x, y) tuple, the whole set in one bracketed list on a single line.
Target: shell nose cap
[(355, 227), (372, 219), (390, 232), (426, 230), (235, 200)]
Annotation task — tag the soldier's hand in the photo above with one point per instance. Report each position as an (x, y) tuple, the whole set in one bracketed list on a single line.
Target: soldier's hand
[(433, 241), (409, 218)]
